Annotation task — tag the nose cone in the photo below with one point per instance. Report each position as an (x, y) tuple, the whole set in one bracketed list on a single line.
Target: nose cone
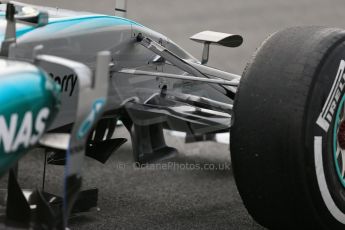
[(29, 101)]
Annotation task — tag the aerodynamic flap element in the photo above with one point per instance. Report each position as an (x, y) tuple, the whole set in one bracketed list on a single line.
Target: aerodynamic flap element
[(223, 39), (55, 140)]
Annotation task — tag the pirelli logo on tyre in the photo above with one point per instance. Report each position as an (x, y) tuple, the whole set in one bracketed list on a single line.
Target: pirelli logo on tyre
[(328, 110)]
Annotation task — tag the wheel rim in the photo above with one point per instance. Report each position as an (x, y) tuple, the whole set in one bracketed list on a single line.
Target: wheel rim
[(339, 142)]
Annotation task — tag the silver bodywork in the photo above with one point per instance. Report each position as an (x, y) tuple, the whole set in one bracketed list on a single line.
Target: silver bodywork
[(80, 37), (153, 83)]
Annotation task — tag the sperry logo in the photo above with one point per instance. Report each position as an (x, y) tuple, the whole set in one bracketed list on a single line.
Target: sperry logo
[(28, 133), (333, 98), (67, 82)]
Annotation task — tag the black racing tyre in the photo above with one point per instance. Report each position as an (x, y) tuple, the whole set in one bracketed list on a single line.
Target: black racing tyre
[(288, 134)]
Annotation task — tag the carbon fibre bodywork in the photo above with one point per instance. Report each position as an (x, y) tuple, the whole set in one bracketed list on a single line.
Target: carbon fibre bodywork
[(79, 38), (146, 103)]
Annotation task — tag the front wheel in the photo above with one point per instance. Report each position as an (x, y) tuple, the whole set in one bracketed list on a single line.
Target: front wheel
[(288, 136)]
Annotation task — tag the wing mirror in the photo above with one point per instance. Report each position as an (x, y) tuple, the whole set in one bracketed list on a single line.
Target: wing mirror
[(217, 38), (23, 14), (26, 14), (32, 16)]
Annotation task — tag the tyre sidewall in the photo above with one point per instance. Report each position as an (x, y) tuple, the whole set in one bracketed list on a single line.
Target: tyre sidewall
[(321, 116)]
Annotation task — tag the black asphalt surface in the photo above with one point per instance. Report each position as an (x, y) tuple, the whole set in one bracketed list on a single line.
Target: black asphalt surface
[(174, 197), (177, 197)]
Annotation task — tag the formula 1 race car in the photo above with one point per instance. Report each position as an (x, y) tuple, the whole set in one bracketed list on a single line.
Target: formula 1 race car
[(285, 113)]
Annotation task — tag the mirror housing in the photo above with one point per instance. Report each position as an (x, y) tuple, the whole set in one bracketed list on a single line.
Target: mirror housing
[(37, 18), (217, 38), (23, 14)]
